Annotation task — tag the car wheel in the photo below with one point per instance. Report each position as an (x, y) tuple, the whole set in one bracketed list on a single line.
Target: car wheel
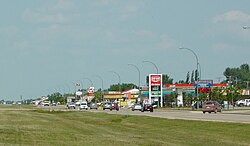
[(151, 110), (215, 111), (204, 112), (132, 109), (142, 110), (103, 108), (209, 112)]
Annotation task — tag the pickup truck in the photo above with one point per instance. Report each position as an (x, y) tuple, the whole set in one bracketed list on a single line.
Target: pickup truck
[(243, 102)]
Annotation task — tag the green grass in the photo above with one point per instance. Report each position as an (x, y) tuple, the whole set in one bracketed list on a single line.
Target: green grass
[(39, 127)]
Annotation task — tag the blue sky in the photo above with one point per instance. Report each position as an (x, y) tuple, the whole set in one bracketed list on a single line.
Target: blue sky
[(47, 45)]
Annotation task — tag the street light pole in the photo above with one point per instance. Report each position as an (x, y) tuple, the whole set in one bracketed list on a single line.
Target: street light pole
[(197, 66), (154, 66), (89, 81), (139, 82), (118, 78), (102, 85)]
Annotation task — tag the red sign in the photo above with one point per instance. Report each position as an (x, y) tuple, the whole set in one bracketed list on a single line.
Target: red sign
[(155, 80)]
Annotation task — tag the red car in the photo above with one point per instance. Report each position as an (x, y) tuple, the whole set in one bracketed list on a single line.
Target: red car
[(211, 106), (114, 106), (147, 107)]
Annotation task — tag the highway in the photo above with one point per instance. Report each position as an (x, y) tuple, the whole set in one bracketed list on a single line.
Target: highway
[(235, 116), (225, 116)]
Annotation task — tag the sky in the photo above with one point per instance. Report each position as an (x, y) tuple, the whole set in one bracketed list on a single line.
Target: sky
[(49, 45)]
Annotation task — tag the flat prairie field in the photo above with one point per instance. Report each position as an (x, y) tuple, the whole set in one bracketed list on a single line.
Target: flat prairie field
[(80, 128)]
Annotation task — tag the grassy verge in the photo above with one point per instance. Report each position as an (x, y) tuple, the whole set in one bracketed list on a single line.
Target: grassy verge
[(85, 128)]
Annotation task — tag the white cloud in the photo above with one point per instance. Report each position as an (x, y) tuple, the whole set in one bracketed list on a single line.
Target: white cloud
[(167, 43), (227, 27), (56, 13), (232, 16), (104, 2)]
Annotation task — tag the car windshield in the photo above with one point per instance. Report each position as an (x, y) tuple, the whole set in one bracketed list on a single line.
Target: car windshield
[(209, 102), (83, 103)]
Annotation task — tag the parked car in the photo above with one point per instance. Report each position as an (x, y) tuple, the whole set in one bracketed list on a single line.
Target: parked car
[(93, 105), (106, 105), (71, 105), (137, 106), (83, 105), (114, 106), (147, 107), (211, 106), (46, 103)]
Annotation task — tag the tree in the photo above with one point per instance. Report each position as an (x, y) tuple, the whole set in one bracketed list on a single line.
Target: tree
[(239, 75), (98, 96), (192, 77), (166, 79), (57, 97), (124, 87), (188, 78)]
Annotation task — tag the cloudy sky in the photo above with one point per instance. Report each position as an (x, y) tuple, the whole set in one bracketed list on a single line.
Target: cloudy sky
[(48, 45)]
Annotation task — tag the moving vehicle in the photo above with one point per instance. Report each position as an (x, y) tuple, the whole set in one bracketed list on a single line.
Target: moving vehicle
[(136, 106), (71, 105), (114, 106), (83, 105), (243, 102), (46, 103), (93, 105), (211, 106), (147, 107), (106, 105)]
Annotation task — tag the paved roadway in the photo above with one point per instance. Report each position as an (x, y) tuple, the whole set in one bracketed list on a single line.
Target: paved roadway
[(236, 116), (225, 116)]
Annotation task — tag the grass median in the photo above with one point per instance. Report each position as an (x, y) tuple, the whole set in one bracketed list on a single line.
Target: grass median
[(39, 127)]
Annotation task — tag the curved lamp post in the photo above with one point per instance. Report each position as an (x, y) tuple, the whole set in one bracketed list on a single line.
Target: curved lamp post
[(89, 81), (139, 82), (102, 85), (157, 71), (197, 66), (197, 61), (118, 78)]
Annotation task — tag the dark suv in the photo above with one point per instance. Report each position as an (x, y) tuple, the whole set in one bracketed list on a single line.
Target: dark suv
[(147, 107)]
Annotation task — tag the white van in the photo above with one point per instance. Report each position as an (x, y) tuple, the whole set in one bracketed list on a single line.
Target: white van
[(83, 105)]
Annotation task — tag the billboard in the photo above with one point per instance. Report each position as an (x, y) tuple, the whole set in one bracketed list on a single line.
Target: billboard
[(203, 83), (155, 88)]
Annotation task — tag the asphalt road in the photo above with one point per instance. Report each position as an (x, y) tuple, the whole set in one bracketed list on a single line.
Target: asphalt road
[(236, 116), (225, 116)]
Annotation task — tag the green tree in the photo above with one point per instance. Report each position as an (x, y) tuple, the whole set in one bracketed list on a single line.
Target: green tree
[(239, 75), (98, 96), (187, 78), (124, 87), (192, 77)]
